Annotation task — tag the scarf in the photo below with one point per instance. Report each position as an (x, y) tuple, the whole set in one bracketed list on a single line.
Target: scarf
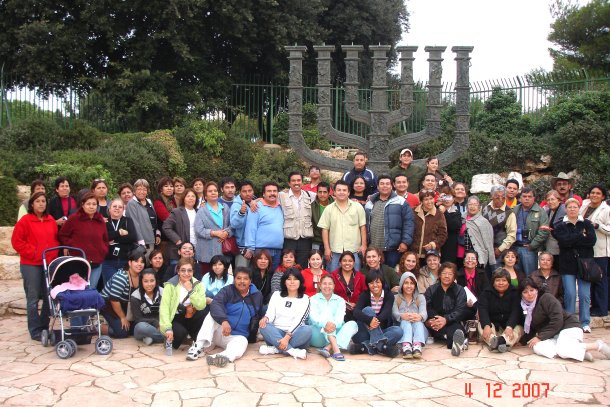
[(528, 310)]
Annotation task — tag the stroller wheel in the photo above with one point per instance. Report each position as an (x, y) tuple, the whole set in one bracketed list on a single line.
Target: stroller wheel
[(52, 338), (103, 345), (44, 338), (73, 346), (63, 349)]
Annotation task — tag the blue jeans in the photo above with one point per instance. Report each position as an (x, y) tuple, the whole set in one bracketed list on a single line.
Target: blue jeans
[(392, 257), (334, 262), (413, 332), (300, 337), (343, 335), (94, 277), (110, 267), (392, 333), (115, 329), (144, 329), (528, 260), (599, 291), (584, 297), (35, 287)]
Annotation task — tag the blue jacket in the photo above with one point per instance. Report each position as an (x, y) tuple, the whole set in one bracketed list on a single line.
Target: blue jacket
[(238, 221), (397, 219), (230, 306), (369, 175), (265, 228)]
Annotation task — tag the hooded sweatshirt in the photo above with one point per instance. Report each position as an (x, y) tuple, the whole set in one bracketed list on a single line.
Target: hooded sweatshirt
[(401, 305)]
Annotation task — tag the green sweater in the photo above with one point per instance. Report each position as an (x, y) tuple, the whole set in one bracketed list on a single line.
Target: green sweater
[(171, 299)]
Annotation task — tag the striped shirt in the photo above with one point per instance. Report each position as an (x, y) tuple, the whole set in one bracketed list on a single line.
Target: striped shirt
[(117, 288), (376, 305)]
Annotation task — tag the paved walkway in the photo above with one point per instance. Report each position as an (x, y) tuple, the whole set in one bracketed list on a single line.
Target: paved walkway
[(138, 375)]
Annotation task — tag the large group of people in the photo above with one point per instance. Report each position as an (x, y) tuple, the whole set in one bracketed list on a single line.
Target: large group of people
[(376, 264)]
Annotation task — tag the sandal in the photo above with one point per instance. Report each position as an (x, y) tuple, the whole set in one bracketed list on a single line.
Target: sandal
[(324, 352), (338, 356)]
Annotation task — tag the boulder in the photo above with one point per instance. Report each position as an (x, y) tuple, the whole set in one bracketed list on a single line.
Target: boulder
[(23, 192), (482, 183), (516, 175), (6, 247), (9, 268)]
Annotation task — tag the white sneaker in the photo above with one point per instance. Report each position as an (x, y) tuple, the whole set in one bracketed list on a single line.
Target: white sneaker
[(268, 350), (147, 340), (588, 357), (429, 340), (458, 343), (586, 329), (297, 353), (603, 348), (194, 352)]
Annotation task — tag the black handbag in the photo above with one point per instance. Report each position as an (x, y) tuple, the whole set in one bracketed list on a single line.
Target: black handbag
[(253, 326), (588, 269)]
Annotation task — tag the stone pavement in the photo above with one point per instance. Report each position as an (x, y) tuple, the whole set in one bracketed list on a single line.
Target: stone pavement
[(138, 375)]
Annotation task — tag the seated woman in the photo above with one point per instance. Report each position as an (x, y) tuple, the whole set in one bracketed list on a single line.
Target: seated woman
[(446, 306), (500, 313), (409, 311), (349, 283), (547, 278), (373, 313), (510, 259), (374, 266), (314, 273), (408, 262), (218, 278), (329, 331), (428, 274), (473, 278), (182, 304), (550, 330), (145, 303), (261, 274), (283, 325), (288, 261), (117, 293)]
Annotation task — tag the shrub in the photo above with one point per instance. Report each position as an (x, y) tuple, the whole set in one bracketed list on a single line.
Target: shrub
[(9, 204), (33, 134), (275, 166), (176, 165), (80, 176)]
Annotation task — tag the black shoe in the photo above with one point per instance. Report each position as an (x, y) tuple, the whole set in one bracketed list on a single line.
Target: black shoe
[(380, 344), (389, 350), (370, 348), (356, 349)]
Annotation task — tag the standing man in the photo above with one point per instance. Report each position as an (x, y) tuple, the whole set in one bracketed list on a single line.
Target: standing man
[(265, 227), (239, 214), (564, 185), (502, 219), (298, 229), (530, 238), (411, 171), (343, 225), (360, 169), (323, 199), (389, 222), (314, 180), (401, 186), (512, 189), (227, 188)]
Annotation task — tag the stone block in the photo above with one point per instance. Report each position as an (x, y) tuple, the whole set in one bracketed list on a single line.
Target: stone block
[(9, 268), (6, 248), (482, 183)]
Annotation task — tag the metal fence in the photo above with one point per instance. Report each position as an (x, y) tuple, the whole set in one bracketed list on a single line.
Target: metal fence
[(258, 110)]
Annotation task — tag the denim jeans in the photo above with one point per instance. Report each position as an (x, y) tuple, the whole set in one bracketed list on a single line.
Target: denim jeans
[(35, 287), (319, 338), (94, 277), (584, 297), (528, 260), (143, 329), (413, 332), (599, 291), (334, 262), (300, 337), (392, 333), (110, 267), (392, 257)]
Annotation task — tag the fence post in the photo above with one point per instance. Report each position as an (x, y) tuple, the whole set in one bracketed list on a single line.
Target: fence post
[(271, 115)]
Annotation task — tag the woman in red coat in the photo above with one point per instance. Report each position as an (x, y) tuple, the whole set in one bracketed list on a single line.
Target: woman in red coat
[(86, 229), (349, 283), (34, 233)]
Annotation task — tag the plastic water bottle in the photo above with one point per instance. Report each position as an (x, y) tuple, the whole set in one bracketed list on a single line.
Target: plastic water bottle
[(169, 350)]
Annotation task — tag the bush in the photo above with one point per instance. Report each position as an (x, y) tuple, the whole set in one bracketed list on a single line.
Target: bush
[(275, 166), (80, 176), (164, 138), (9, 204)]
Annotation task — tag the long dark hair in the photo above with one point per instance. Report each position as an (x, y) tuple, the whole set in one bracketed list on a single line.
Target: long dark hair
[(219, 258), (292, 271), (257, 255), (141, 288)]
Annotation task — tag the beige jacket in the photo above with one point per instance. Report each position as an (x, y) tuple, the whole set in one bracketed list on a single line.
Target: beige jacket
[(297, 220)]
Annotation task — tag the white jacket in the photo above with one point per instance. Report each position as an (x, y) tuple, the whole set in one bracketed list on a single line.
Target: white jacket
[(601, 217)]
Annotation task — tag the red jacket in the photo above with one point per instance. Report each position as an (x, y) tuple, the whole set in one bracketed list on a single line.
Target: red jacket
[(310, 289), (32, 236), (359, 286), (88, 234)]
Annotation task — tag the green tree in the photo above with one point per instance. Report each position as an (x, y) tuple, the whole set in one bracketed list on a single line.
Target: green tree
[(582, 36)]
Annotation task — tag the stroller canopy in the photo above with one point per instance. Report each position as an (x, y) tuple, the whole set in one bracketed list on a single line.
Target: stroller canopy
[(63, 267)]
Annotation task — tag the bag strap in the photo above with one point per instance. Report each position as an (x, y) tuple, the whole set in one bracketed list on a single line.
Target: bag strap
[(189, 293)]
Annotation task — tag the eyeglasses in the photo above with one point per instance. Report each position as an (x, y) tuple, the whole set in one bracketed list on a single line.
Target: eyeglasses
[(186, 271)]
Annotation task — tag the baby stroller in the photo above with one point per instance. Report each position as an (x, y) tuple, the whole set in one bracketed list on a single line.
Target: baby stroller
[(81, 307)]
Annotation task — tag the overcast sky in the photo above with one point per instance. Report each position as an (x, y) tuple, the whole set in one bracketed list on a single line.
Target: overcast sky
[(509, 37)]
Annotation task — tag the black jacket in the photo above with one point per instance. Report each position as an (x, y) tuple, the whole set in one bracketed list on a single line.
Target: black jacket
[(450, 304), (385, 314), (573, 238), (502, 311), (124, 244)]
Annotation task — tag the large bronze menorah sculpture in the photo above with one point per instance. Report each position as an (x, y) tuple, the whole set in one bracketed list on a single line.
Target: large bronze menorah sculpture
[(378, 145)]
